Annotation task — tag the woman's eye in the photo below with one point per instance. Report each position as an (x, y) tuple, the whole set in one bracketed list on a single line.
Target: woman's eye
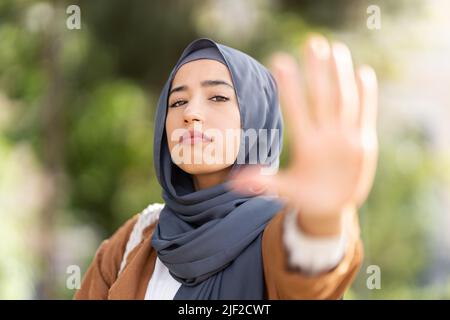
[(219, 99), (178, 103)]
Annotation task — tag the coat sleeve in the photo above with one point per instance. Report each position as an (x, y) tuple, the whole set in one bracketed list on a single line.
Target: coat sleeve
[(102, 272), (285, 282)]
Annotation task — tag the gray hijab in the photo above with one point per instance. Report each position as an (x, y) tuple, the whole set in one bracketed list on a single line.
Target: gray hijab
[(210, 239)]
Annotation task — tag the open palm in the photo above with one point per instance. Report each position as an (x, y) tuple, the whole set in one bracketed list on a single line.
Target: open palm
[(331, 119)]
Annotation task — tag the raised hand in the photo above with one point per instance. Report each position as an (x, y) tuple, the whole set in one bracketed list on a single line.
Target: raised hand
[(331, 119)]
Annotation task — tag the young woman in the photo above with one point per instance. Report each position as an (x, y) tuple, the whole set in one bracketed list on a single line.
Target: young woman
[(232, 225)]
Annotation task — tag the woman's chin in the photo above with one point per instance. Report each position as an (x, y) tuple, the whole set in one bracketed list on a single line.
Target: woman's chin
[(202, 168)]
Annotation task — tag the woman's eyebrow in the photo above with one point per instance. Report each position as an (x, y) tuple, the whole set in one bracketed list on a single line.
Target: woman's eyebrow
[(209, 83), (205, 83), (177, 89)]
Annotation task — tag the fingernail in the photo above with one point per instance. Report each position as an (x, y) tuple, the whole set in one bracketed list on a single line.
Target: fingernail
[(367, 74), (340, 50), (257, 188), (320, 47), (283, 62), (277, 66)]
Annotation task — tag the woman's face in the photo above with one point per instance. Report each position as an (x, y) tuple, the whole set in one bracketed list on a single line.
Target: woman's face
[(202, 99)]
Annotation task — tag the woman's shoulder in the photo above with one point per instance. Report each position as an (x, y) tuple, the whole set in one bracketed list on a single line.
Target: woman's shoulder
[(137, 228), (137, 223), (110, 256), (116, 248), (147, 217)]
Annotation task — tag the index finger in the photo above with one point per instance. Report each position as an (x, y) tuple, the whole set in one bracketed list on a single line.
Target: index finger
[(287, 75)]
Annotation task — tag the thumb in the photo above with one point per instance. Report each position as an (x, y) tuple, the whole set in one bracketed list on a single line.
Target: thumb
[(249, 180)]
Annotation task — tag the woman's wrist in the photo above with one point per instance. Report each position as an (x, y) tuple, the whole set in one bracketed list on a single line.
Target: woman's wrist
[(322, 225)]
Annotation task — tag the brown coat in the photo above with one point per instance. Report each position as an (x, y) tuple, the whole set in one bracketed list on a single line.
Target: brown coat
[(281, 281)]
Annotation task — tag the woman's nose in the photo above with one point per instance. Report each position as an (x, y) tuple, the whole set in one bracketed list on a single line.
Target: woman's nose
[(193, 113)]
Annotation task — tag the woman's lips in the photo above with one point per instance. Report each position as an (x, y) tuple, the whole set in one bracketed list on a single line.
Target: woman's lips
[(193, 137)]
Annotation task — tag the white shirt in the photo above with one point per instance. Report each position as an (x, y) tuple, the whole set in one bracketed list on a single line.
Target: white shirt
[(162, 286)]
